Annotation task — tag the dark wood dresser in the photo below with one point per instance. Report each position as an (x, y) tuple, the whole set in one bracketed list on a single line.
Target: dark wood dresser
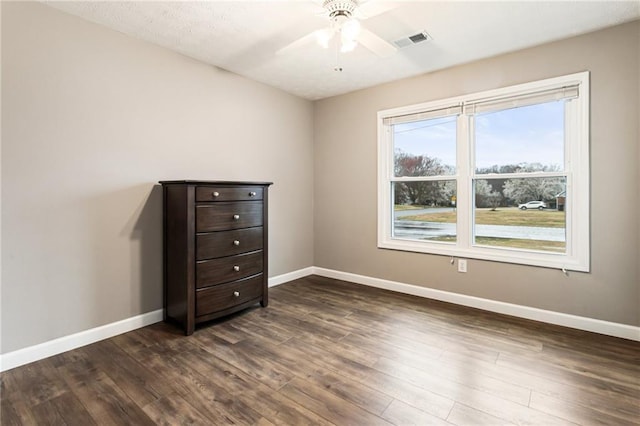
[(215, 249)]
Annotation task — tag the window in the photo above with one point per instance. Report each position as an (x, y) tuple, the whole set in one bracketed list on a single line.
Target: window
[(501, 175)]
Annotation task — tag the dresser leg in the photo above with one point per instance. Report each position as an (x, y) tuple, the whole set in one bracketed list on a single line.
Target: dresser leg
[(189, 328)]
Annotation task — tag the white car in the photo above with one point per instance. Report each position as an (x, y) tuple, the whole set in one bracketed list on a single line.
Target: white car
[(533, 205)]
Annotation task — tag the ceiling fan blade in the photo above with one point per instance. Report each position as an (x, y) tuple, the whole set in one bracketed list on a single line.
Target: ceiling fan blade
[(372, 8), (299, 43), (375, 44)]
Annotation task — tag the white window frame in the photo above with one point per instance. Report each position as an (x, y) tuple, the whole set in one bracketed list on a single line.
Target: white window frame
[(577, 255)]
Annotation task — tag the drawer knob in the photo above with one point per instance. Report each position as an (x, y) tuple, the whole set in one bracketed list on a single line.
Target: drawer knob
[(215, 194), (236, 268), (236, 293), (236, 242), (252, 194), (236, 216)]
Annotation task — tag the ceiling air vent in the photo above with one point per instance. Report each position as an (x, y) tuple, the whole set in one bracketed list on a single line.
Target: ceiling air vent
[(412, 39)]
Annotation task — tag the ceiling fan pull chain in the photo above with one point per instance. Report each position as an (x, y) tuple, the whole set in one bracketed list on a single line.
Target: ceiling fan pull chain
[(337, 68)]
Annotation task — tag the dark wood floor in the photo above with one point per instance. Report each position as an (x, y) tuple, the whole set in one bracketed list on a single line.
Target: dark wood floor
[(330, 352)]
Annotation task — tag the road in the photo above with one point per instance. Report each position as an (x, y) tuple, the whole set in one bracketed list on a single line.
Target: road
[(413, 212), (419, 230)]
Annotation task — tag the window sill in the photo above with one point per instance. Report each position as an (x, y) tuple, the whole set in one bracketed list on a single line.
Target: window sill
[(514, 256)]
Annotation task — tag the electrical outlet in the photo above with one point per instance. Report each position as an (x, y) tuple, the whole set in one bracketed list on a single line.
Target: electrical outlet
[(462, 265)]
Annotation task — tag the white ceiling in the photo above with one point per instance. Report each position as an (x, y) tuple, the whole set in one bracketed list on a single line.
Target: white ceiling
[(243, 36)]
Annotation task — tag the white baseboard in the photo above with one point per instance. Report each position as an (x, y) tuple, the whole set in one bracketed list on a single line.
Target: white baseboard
[(53, 347), (573, 321), (285, 278)]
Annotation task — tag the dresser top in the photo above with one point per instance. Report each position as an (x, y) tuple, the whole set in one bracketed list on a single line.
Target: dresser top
[(211, 182)]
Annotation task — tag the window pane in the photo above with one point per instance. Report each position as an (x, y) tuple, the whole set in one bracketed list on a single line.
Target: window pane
[(425, 210), (526, 139), (526, 213), (425, 148)]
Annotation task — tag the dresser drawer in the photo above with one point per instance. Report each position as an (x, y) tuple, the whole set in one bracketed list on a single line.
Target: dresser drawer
[(228, 243), (223, 216), (224, 296), (224, 193), (225, 269)]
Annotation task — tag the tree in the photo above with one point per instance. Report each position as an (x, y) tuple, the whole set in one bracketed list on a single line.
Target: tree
[(422, 193), (430, 193), (418, 165), (486, 196), (528, 189)]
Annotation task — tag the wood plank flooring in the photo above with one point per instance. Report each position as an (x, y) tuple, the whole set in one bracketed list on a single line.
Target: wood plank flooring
[(328, 352)]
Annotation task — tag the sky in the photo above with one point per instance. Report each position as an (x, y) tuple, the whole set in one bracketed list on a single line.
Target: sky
[(531, 134)]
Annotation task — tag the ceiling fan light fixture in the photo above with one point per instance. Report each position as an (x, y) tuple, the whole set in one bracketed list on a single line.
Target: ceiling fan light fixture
[(349, 33), (350, 30), (323, 37), (348, 46)]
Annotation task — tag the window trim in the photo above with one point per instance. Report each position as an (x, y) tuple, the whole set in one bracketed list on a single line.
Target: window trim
[(577, 142)]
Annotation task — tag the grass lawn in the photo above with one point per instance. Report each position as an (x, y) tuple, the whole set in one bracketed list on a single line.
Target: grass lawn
[(507, 216)]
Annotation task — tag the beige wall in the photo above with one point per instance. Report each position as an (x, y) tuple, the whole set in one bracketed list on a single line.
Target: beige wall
[(346, 194), (91, 120)]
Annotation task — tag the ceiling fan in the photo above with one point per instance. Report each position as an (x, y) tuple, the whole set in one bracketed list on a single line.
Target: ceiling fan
[(344, 22)]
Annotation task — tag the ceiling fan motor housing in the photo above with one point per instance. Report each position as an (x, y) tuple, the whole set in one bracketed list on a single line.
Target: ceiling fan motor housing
[(340, 8)]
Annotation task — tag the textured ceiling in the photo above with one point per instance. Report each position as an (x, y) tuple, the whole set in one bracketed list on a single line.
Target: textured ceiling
[(244, 36)]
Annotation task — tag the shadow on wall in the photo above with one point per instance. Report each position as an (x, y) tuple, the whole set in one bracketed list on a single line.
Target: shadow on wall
[(144, 232)]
